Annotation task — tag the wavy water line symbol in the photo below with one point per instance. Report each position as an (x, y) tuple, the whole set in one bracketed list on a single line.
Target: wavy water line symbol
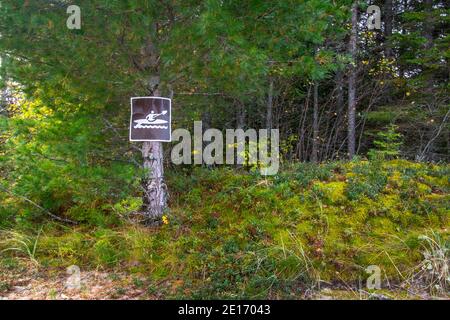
[(141, 126), (150, 121)]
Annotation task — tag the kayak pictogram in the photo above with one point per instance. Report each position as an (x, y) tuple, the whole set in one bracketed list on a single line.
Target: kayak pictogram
[(150, 121)]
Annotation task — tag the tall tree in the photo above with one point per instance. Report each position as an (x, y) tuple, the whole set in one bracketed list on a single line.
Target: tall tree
[(351, 113), (388, 18), (85, 78), (269, 113), (315, 125)]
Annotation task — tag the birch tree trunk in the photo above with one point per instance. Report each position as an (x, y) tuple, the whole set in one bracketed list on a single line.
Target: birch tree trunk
[(155, 199), (155, 187), (352, 83)]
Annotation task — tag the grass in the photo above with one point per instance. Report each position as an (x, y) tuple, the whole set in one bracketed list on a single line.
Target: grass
[(239, 235), (22, 244), (433, 272)]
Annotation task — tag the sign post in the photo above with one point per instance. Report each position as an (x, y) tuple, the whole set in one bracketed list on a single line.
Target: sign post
[(150, 123)]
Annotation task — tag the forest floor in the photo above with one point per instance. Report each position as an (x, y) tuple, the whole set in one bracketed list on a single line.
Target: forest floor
[(30, 283), (34, 284), (312, 232)]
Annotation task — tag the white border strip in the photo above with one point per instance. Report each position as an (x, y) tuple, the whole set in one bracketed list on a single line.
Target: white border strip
[(170, 117)]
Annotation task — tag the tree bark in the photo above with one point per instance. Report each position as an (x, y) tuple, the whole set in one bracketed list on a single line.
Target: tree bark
[(269, 115), (388, 26), (302, 130), (352, 84), (429, 25), (315, 142), (206, 125), (155, 189), (240, 115), (428, 34), (340, 92)]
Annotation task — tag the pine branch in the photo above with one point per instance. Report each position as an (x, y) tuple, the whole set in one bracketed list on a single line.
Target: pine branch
[(37, 206)]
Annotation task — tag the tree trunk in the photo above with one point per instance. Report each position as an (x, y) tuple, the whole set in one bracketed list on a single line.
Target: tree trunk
[(240, 115), (269, 115), (302, 130), (428, 34), (388, 25), (352, 83), (338, 110), (155, 198), (429, 25), (429, 74), (340, 93), (156, 190), (3, 102), (315, 142), (206, 125)]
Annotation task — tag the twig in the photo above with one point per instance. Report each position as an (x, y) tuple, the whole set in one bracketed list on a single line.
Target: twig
[(422, 155), (38, 206)]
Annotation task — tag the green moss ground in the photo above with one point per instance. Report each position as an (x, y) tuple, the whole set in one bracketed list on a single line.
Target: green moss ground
[(239, 235)]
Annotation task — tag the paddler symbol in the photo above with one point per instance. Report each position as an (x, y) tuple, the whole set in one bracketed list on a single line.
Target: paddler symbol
[(150, 121)]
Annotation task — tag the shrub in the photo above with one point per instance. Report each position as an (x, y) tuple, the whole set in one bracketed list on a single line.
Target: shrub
[(387, 144)]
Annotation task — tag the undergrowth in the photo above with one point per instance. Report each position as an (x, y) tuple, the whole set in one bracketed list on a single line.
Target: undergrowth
[(239, 235)]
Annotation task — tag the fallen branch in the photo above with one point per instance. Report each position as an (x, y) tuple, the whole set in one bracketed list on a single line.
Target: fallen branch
[(37, 206)]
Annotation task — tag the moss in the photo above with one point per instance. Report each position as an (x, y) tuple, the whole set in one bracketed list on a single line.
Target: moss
[(423, 189), (332, 192), (238, 235)]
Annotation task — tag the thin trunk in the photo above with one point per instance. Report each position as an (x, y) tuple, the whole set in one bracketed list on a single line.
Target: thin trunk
[(3, 102), (240, 116), (206, 125), (388, 25), (429, 76), (240, 124), (352, 84), (340, 92), (429, 26), (269, 116), (302, 130), (428, 34), (3, 91), (339, 108), (315, 142)]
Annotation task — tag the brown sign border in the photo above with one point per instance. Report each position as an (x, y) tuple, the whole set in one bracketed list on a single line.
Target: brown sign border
[(170, 119)]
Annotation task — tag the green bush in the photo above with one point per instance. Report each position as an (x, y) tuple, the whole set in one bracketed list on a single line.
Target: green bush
[(387, 144)]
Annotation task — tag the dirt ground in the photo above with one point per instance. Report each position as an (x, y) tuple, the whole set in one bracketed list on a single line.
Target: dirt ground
[(29, 282), (35, 284)]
